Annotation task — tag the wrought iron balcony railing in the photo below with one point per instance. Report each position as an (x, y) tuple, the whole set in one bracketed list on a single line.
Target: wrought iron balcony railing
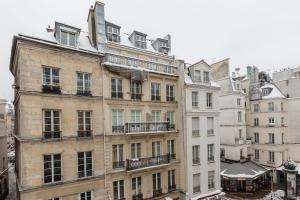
[(157, 192), (84, 133), (171, 187), (148, 127), (84, 92), (147, 162), (53, 89), (118, 164), (48, 135), (137, 196), (117, 129)]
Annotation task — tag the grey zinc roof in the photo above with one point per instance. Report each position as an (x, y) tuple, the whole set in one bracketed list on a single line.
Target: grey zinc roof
[(242, 170)]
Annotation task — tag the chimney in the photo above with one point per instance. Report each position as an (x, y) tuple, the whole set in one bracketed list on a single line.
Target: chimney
[(233, 74), (49, 29), (100, 32)]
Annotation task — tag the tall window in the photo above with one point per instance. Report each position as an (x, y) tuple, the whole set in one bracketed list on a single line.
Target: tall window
[(118, 160), (271, 106), (256, 122), (155, 91), (256, 154), (68, 38), (156, 179), (170, 93), (210, 126), (171, 180), (209, 100), (117, 121), (211, 180), (238, 101), (135, 118), (140, 41), (271, 156), (256, 107), (135, 150), (88, 195), (256, 137), (210, 152), (52, 168), (271, 121), (195, 127), (206, 77), (50, 76), (155, 117), (113, 34), (51, 124), (171, 119), (136, 187), (197, 75), (85, 164), (136, 90), (240, 133), (195, 99), (196, 183), (84, 124), (156, 150), (118, 189), (239, 116), (171, 149), (116, 88), (281, 106), (196, 154), (282, 121), (83, 83), (271, 138)]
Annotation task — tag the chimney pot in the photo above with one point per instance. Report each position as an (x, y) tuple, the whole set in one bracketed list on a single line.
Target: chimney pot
[(49, 29)]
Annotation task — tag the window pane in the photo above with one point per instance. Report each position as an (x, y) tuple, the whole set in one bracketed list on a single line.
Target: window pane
[(72, 39), (64, 37)]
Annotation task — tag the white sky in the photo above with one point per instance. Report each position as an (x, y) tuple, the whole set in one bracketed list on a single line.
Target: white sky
[(265, 33)]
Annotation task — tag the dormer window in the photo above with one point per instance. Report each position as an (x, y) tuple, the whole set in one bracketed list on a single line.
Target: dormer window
[(266, 91), (67, 38), (206, 77), (66, 35), (197, 75), (140, 41), (112, 32)]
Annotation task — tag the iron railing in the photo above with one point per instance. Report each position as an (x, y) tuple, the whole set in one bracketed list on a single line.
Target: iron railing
[(118, 164), (171, 187), (147, 162), (48, 135), (137, 196), (84, 133), (53, 89), (157, 192), (148, 127), (84, 92), (117, 129)]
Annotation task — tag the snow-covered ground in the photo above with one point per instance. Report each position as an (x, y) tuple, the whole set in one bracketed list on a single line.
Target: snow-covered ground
[(276, 195)]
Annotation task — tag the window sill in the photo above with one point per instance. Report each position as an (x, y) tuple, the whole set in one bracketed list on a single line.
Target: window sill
[(53, 183), (196, 164), (52, 139)]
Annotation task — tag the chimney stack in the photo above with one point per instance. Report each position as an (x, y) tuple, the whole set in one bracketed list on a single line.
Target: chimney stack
[(49, 29)]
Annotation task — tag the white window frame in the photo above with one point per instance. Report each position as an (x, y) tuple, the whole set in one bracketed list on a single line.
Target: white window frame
[(92, 195), (171, 147), (170, 91), (171, 177), (211, 179), (52, 169), (156, 148), (271, 156), (119, 196), (120, 155), (51, 76), (197, 75), (156, 116), (239, 113), (134, 149), (196, 154), (256, 154), (195, 99), (68, 37), (84, 117), (210, 152), (85, 165), (206, 78), (135, 182), (271, 107), (85, 88)]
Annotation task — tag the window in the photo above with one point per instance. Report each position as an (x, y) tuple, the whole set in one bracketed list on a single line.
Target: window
[(135, 116), (210, 126), (239, 116), (271, 138), (271, 121), (84, 124), (241, 154), (170, 93), (171, 119), (136, 187), (256, 137), (156, 150), (271, 156), (197, 76), (195, 99), (171, 149), (118, 187), (256, 122), (210, 153), (256, 154), (116, 88), (86, 195), (196, 154), (155, 91), (135, 150), (271, 107), (83, 83), (136, 90), (50, 76), (171, 180), (209, 100), (195, 127), (281, 106), (238, 101), (51, 124), (52, 168), (85, 164), (140, 41), (240, 133), (155, 117), (156, 179), (113, 34), (67, 38), (211, 180), (282, 121), (117, 157), (265, 91), (256, 108), (117, 121), (206, 77), (196, 183)]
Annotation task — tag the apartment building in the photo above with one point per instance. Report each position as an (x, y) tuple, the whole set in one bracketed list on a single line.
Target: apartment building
[(202, 138), (97, 114), (4, 189)]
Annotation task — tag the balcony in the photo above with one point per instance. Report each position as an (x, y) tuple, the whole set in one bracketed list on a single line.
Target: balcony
[(147, 162), (52, 89), (157, 192), (148, 127), (170, 99), (195, 133), (84, 133), (117, 129), (118, 164), (171, 188), (117, 95), (137, 196), (84, 93), (210, 132), (49, 135), (135, 96)]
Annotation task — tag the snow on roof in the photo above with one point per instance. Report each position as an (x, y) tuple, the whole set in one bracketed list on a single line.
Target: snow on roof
[(275, 92), (242, 170), (297, 168), (188, 80)]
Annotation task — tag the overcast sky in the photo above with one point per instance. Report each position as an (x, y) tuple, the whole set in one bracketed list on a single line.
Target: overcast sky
[(264, 33)]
